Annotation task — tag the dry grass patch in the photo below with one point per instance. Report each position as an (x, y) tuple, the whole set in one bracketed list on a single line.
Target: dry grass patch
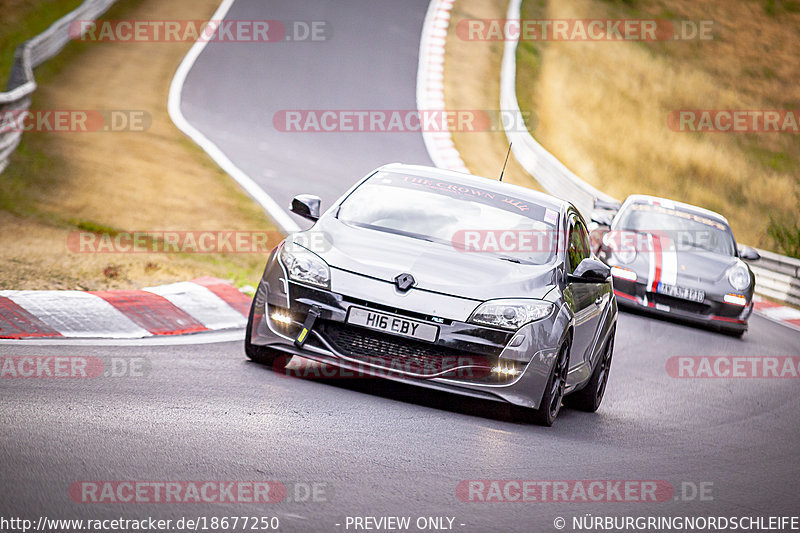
[(603, 107), (472, 82), (58, 183)]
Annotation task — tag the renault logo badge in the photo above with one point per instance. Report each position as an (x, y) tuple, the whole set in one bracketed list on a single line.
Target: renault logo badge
[(404, 282)]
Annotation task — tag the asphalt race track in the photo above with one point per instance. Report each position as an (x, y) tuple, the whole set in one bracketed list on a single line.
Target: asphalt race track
[(375, 448), (369, 63), (206, 413)]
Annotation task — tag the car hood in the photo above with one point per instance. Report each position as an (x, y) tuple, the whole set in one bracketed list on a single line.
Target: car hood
[(436, 267), (688, 266)]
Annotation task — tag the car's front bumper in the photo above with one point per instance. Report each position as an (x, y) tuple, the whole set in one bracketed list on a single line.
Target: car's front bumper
[(465, 358), (712, 312)]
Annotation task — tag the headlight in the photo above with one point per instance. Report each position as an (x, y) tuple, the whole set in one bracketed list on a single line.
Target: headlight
[(510, 314), (739, 277), (305, 266)]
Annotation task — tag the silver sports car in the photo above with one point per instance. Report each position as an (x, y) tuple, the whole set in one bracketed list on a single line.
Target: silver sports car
[(448, 281), (678, 260)]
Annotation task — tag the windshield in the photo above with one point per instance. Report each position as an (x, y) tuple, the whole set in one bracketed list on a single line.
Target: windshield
[(686, 230), (466, 218)]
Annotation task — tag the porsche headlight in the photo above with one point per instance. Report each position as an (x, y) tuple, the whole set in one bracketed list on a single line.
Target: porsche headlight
[(305, 266), (739, 277), (510, 314)]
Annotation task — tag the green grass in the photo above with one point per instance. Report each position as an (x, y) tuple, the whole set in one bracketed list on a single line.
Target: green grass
[(753, 179), (529, 63), (21, 21)]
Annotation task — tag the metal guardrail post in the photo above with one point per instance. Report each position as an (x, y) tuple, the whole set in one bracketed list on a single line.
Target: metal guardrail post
[(21, 84)]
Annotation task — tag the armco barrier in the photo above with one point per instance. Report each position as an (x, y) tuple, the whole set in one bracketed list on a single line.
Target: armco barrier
[(30, 55), (777, 277)]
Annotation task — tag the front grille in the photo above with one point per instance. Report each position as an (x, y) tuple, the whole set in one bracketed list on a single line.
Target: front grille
[(689, 306), (403, 355)]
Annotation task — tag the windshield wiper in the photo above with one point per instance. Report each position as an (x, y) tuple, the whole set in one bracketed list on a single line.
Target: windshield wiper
[(393, 231)]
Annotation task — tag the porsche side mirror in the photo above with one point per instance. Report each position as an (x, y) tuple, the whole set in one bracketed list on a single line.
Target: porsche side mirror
[(590, 271), (749, 254), (307, 206)]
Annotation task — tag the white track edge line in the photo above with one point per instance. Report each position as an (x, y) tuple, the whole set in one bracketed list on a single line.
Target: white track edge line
[(279, 215)]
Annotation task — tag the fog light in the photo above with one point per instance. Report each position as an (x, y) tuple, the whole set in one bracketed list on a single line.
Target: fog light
[(505, 371), (735, 299), (624, 273), (282, 317)]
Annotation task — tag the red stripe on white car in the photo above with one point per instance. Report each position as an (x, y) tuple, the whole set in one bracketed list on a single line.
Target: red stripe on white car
[(656, 256)]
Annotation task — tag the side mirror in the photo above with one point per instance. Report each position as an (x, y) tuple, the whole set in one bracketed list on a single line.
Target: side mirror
[(307, 206), (748, 254), (590, 271)]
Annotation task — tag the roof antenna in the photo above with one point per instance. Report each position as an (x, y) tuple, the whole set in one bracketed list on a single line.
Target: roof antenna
[(506, 161)]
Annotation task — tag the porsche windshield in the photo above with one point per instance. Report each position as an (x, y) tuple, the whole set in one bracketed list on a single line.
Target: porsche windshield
[(686, 230), (467, 218)]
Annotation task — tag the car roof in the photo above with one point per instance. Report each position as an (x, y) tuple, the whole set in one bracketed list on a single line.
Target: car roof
[(471, 180), (671, 204)]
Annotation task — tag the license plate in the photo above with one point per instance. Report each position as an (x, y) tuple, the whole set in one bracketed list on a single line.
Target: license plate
[(695, 295), (392, 324)]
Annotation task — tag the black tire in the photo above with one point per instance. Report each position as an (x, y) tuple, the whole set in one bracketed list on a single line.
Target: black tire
[(590, 397), (553, 395), (264, 355)]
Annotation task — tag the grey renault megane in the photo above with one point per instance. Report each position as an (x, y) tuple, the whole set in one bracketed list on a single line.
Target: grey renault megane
[(444, 280)]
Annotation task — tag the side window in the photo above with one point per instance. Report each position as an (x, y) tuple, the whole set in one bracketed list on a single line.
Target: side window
[(578, 248)]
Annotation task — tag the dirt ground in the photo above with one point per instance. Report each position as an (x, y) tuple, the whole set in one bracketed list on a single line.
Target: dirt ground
[(60, 183)]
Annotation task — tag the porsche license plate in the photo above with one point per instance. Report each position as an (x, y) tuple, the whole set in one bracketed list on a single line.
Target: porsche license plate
[(392, 324), (685, 293)]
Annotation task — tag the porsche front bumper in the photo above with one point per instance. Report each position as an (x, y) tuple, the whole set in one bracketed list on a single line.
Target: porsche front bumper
[(712, 312)]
